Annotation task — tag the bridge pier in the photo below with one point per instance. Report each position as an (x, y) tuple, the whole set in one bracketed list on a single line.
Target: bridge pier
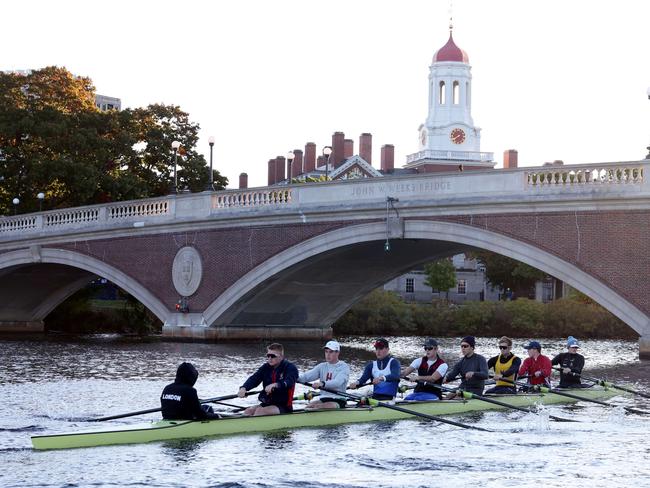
[(22, 326), (246, 333), (644, 347)]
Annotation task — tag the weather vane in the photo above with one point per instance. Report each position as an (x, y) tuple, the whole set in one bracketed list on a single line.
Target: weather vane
[(451, 15)]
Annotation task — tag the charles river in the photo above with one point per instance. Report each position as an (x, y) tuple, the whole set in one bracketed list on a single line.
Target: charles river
[(50, 384)]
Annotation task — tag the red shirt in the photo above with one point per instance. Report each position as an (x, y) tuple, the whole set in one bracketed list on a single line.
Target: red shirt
[(530, 366)]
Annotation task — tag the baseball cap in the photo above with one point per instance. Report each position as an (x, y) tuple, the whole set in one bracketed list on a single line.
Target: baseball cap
[(333, 346), (534, 345), (381, 343), (572, 342), (431, 343)]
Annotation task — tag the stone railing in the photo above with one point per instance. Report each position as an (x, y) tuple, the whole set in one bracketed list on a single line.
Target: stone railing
[(557, 176), (18, 224), (252, 198), (138, 209), (482, 157), (71, 216)]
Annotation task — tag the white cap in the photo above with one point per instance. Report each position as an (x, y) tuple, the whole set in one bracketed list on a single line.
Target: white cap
[(332, 345)]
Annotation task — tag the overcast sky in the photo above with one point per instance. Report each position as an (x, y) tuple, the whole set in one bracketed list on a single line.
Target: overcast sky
[(554, 79)]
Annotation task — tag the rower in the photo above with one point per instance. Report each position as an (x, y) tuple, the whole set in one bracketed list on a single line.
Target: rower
[(505, 365), (332, 374), (278, 376), (536, 366), (431, 369), (571, 363), (180, 401), (384, 373), (472, 368)]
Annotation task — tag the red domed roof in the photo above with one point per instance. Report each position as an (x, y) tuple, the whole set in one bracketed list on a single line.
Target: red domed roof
[(450, 52)]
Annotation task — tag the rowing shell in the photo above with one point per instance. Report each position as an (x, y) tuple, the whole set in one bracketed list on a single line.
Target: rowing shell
[(163, 430)]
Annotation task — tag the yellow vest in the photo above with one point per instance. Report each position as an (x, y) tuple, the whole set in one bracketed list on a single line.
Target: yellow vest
[(500, 368)]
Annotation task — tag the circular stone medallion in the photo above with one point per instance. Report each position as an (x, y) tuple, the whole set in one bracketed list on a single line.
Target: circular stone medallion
[(187, 271)]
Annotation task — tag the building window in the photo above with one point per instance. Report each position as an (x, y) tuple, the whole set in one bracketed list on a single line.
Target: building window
[(456, 93), (441, 93), (462, 287), (467, 94), (410, 285)]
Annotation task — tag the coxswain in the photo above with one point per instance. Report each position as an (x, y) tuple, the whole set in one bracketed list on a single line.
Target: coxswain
[(179, 400)]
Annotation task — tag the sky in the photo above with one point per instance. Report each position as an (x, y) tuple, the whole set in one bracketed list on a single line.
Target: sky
[(554, 79)]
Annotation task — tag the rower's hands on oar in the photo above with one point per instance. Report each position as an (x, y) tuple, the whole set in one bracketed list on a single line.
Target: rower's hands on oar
[(353, 386), (269, 388), (242, 392), (317, 384)]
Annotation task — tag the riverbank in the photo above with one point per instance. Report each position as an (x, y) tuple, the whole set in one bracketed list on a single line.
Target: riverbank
[(384, 313)]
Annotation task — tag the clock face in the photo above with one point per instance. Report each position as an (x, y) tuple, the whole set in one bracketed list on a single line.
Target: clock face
[(457, 136)]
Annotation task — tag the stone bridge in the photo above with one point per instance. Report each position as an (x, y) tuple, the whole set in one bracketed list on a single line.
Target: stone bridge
[(285, 262)]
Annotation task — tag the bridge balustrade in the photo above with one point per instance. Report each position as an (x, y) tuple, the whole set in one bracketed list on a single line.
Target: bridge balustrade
[(252, 198), (18, 224), (594, 176)]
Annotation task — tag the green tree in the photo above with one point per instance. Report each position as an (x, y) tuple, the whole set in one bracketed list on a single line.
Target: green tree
[(441, 275), (53, 139), (507, 273)]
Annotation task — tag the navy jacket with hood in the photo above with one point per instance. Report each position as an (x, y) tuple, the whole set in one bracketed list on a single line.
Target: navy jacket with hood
[(179, 400)]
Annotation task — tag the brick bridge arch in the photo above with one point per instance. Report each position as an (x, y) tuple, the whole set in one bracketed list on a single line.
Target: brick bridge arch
[(36, 281), (260, 288)]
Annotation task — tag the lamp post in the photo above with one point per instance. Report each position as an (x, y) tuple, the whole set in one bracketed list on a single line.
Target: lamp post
[(648, 148), (290, 157), (210, 186), (40, 197), (15, 201), (175, 146), (327, 152)]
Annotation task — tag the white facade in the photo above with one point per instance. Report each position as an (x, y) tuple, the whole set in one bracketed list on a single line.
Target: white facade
[(448, 135)]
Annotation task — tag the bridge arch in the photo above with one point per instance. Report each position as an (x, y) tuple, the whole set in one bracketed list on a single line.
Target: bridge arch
[(458, 236), (35, 256)]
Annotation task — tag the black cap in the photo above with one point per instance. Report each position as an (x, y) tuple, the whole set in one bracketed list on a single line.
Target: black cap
[(431, 343), (470, 340)]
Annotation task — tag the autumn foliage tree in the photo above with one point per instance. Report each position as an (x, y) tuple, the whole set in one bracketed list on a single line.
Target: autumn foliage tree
[(54, 140)]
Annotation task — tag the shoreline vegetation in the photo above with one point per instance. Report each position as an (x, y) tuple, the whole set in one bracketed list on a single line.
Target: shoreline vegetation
[(385, 313), (382, 313)]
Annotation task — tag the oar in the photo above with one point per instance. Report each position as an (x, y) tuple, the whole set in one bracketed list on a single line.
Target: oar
[(607, 384), (151, 410), (468, 395), (404, 410), (546, 389)]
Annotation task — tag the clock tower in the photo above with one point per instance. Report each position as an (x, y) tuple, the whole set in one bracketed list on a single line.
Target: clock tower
[(448, 137)]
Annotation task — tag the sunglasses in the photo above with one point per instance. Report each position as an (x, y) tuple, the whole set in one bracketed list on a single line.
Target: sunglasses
[(464, 346), (504, 347), (271, 356), (428, 348)]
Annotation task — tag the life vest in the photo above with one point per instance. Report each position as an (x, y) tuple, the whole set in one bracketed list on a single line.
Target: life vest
[(427, 370), (500, 368), (385, 387)]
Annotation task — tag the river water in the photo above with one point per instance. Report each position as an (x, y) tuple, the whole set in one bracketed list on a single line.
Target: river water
[(56, 384)]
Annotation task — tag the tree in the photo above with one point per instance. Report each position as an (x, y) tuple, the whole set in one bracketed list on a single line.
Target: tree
[(53, 139), (507, 273), (441, 275)]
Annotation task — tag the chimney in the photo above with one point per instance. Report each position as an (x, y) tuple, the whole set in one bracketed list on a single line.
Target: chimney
[(510, 158), (243, 181), (338, 144), (296, 167), (387, 158), (279, 169), (310, 157), (271, 179), (348, 148), (365, 147)]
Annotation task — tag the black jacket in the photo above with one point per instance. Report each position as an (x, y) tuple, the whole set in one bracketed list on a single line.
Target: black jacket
[(179, 400), (284, 374)]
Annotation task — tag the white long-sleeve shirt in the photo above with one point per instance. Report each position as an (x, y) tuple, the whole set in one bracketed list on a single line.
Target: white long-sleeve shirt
[(334, 376)]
